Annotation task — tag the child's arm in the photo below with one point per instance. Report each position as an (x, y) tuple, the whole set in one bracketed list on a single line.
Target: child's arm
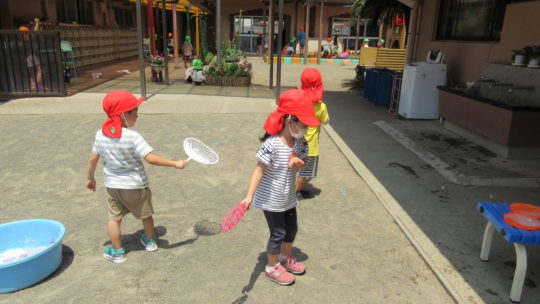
[(254, 183), (90, 170), (155, 160)]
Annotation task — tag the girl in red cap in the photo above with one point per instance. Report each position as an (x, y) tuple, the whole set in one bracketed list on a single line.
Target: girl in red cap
[(272, 184), (313, 86), (123, 150)]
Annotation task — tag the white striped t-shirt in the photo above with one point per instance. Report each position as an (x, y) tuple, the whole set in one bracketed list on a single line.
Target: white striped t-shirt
[(276, 191), (122, 159)]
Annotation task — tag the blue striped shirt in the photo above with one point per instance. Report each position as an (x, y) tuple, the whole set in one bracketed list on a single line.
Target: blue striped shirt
[(122, 159), (276, 191)]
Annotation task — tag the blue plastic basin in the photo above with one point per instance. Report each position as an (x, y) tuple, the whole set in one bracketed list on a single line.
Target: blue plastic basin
[(30, 235)]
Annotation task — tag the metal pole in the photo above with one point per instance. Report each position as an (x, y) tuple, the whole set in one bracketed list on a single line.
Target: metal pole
[(140, 44), (197, 42), (151, 26), (320, 32), (357, 34), (218, 31), (164, 33), (279, 46), (306, 46), (271, 44), (175, 35), (265, 23), (296, 19)]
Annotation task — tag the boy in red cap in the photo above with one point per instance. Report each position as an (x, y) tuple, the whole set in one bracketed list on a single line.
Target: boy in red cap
[(313, 86), (271, 187), (123, 150)]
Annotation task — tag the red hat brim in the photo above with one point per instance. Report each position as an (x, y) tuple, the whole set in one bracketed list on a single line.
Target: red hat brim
[(309, 120)]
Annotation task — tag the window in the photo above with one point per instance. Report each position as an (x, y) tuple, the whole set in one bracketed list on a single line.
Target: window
[(123, 17), (75, 11), (473, 20)]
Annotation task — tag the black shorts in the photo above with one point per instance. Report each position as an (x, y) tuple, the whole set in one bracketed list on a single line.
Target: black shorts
[(187, 58)]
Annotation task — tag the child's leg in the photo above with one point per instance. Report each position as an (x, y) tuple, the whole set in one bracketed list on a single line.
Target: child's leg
[(275, 271), (276, 224), (291, 228), (148, 224), (300, 182), (286, 258), (113, 229), (309, 171), (272, 259)]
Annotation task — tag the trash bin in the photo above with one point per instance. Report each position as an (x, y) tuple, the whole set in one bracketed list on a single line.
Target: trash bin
[(370, 85), (384, 87)]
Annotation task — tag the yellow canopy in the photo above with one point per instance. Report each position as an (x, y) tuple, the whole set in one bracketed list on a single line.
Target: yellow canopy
[(181, 6)]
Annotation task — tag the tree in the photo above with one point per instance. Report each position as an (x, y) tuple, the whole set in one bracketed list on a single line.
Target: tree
[(376, 9)]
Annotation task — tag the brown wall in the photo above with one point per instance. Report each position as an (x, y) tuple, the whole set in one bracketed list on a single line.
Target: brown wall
[(466, 59)]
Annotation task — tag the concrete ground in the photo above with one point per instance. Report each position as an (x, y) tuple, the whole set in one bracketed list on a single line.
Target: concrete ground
[(354, 251), (395, 229)]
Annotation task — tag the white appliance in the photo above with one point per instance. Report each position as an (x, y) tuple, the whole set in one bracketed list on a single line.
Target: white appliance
[(419, 97)]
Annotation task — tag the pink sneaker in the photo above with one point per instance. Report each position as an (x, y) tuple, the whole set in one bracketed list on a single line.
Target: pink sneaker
[(293, 266), (279, 275)]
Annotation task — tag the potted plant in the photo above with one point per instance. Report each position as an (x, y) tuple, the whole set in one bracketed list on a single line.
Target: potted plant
[(156, 62), (518, 57), (229, 74), (534, 57)]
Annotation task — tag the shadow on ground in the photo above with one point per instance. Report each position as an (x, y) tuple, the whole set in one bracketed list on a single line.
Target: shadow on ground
[(444, 211), (259, 268)]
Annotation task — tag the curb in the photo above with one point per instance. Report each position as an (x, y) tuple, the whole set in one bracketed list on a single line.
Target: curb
[(450, 278)]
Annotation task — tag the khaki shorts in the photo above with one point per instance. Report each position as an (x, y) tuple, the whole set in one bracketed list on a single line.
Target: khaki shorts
[(124, 201)]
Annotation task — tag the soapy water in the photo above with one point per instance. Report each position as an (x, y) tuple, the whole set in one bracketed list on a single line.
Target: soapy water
[(20, 253)]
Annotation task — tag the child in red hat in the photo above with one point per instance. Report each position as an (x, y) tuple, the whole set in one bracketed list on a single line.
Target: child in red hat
[(313, 86), (123, 150), (271, 187)]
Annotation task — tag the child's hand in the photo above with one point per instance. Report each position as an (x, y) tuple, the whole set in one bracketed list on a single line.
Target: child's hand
[(298, 163), (91, 184), (295, 162), (180, 164), (247, 201)]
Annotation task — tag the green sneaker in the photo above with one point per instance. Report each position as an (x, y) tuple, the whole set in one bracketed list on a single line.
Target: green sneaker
[(149, 243), (115, 255)]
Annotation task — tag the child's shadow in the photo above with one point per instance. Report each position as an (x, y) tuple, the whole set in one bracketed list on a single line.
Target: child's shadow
[(260, 267), (313, 191), (131, 242)]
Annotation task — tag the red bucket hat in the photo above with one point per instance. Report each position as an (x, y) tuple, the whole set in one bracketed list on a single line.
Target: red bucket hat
[(116, 103), (293, 102), (312, 84)]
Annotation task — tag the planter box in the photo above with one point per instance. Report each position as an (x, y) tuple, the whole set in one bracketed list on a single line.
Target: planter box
[(228, 81), (355, 61), (287, 60), (346, 61), (323, 60), (312, 60), (338, 61), (296, 60)]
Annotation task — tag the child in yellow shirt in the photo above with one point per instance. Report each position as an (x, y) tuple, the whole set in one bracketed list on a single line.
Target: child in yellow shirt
[(313, 86)]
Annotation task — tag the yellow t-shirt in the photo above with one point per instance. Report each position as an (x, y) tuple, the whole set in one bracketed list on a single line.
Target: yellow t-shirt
[(312, 135)]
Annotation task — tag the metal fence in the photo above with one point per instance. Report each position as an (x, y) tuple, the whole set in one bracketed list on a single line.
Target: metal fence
[(30, 64)]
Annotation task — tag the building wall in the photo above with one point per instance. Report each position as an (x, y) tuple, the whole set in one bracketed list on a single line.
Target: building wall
[(466, 60), (26, 11), (229, 7)]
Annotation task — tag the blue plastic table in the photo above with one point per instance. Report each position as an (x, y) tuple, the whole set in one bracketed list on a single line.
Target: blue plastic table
[(494, 212)]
